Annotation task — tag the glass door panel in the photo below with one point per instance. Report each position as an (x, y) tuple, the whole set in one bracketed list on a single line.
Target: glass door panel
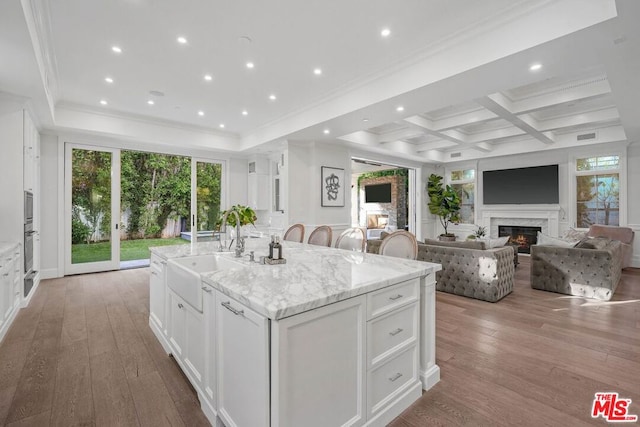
[(155, 204), (208, 194), (92, 209)]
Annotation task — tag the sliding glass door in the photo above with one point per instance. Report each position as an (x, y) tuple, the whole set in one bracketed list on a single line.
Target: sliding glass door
[(92, 209), (121, 202)]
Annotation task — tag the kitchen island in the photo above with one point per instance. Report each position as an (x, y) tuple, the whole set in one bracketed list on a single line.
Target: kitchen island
[(332, 337)]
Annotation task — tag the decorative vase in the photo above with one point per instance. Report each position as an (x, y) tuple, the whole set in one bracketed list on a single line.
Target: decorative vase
[(447, 238)]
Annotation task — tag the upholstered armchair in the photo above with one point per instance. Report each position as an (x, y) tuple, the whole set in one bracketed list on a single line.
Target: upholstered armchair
[(624, 235)]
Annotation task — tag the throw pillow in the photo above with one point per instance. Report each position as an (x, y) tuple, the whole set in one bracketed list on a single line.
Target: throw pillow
[(545, 240), (492, 243), (467, 244), (571, 235), (593, 243)]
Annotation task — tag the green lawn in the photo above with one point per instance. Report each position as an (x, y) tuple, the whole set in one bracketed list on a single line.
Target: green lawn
[(129, 249)]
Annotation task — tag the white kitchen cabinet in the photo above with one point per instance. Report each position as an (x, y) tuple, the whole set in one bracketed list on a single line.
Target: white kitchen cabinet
[(318, 366), (210, 381), (186, 337), (258, 191), (157, 294), (243, 364), (10, 286)]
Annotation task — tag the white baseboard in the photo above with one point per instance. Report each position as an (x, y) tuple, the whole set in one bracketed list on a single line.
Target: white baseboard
[(49, 273), (430, 377)]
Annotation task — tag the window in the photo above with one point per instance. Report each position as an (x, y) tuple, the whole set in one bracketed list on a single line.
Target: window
[(464, 182), (597, 191)]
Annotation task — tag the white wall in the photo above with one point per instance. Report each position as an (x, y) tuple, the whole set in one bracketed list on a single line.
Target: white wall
[(50, 206), (304, 163), (633, 206)]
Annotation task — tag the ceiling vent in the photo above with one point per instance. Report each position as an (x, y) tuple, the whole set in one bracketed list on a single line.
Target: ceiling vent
[(454, 155), (586, 136)]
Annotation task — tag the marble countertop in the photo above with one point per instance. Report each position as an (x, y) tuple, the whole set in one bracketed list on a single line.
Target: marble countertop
[(312, 277)]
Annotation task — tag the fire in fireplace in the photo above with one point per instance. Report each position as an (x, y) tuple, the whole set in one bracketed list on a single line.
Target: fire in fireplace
[(522, 235)]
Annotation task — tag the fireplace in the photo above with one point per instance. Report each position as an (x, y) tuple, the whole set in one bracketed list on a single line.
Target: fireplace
[(523, 236), (377, 220)]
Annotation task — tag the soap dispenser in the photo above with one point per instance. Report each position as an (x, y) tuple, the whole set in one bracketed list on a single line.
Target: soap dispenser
[(271, 246), (277, 249)]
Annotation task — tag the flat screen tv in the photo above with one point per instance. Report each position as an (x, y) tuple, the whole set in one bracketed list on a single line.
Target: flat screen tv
[(535, 185), (377, 193)]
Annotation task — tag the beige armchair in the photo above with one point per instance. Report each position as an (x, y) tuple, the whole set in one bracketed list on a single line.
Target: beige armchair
[(400, 244), (295, 233), (321, 236), (352, 239), (624, 235)]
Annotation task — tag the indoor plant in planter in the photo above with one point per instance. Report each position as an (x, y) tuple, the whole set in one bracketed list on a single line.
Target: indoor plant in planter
[(444, 202), (245, 213)]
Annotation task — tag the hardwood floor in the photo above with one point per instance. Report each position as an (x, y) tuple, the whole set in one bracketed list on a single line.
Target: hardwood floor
[(82, 353)]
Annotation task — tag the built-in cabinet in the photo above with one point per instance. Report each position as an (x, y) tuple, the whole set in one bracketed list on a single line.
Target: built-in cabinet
[(10, 286), (258, 185), (354, 362)]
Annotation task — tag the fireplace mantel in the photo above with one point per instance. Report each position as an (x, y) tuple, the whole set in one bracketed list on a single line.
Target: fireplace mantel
[(547, 215)]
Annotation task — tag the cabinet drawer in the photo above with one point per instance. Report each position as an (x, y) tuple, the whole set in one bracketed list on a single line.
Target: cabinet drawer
[(391, 377), (391, 332), (157, 263), (387, 299)]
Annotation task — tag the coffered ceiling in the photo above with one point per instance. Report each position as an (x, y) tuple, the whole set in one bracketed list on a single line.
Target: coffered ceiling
[(448, 80)]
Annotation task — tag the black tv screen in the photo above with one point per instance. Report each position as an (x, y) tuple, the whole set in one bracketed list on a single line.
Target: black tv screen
[(378, 193), (535, 185)]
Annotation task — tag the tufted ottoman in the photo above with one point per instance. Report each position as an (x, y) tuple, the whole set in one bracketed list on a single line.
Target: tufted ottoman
[(591, 272)]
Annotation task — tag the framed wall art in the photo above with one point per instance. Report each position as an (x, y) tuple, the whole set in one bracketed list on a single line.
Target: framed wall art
[(333, 186)]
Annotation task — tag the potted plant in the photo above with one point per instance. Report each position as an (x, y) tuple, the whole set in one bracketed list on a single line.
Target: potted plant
[(479, 233), (245, 213), (444, 202)]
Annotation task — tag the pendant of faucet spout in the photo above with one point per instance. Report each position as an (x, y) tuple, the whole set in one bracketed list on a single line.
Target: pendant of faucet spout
[(239, 245)]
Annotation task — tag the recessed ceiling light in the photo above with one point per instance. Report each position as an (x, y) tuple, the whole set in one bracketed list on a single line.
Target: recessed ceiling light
[(103, 102), (535, 67), (150, 102), (108, 79), (317, 71), (182, 40), (250, 65), (116, 49), (208, 77), (385, 32), (400, 109), (221, 125), (272, 97), (201, 113), (245, 112), (365, 120), (326, 131)]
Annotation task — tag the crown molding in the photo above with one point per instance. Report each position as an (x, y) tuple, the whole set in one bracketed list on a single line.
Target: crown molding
[(38, 19), (144, 119)]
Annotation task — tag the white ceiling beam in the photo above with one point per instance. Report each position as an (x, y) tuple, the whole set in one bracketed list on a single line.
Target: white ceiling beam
[(361, 137), (435, 145), (477, 116), (599, 116), (503, 107), (427, 127), (433, 156), (485, 147), (399, 147), (589, 90), (401, 134)]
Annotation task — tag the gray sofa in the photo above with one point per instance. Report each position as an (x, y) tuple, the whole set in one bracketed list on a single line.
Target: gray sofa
[(592, 269), (484, 274)]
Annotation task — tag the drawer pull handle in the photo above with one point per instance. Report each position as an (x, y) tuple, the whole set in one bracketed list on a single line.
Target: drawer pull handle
[(206, 289), (395, 377), (5, 274), (396, 297), (180, 305), (163, 262), (235, 311), (154, 273), (396, 332), (156, 262)]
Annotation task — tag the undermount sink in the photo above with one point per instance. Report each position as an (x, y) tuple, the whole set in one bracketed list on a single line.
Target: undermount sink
[(183, 275)]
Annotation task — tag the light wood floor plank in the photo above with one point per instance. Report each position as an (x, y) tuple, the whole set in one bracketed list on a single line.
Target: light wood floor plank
[(83, 353)]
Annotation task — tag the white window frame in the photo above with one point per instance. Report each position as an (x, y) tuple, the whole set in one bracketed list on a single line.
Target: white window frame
[(449, 181), (622, 176)]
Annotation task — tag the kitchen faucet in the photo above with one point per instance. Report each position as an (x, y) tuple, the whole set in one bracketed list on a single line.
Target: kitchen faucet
[(239, 240)]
